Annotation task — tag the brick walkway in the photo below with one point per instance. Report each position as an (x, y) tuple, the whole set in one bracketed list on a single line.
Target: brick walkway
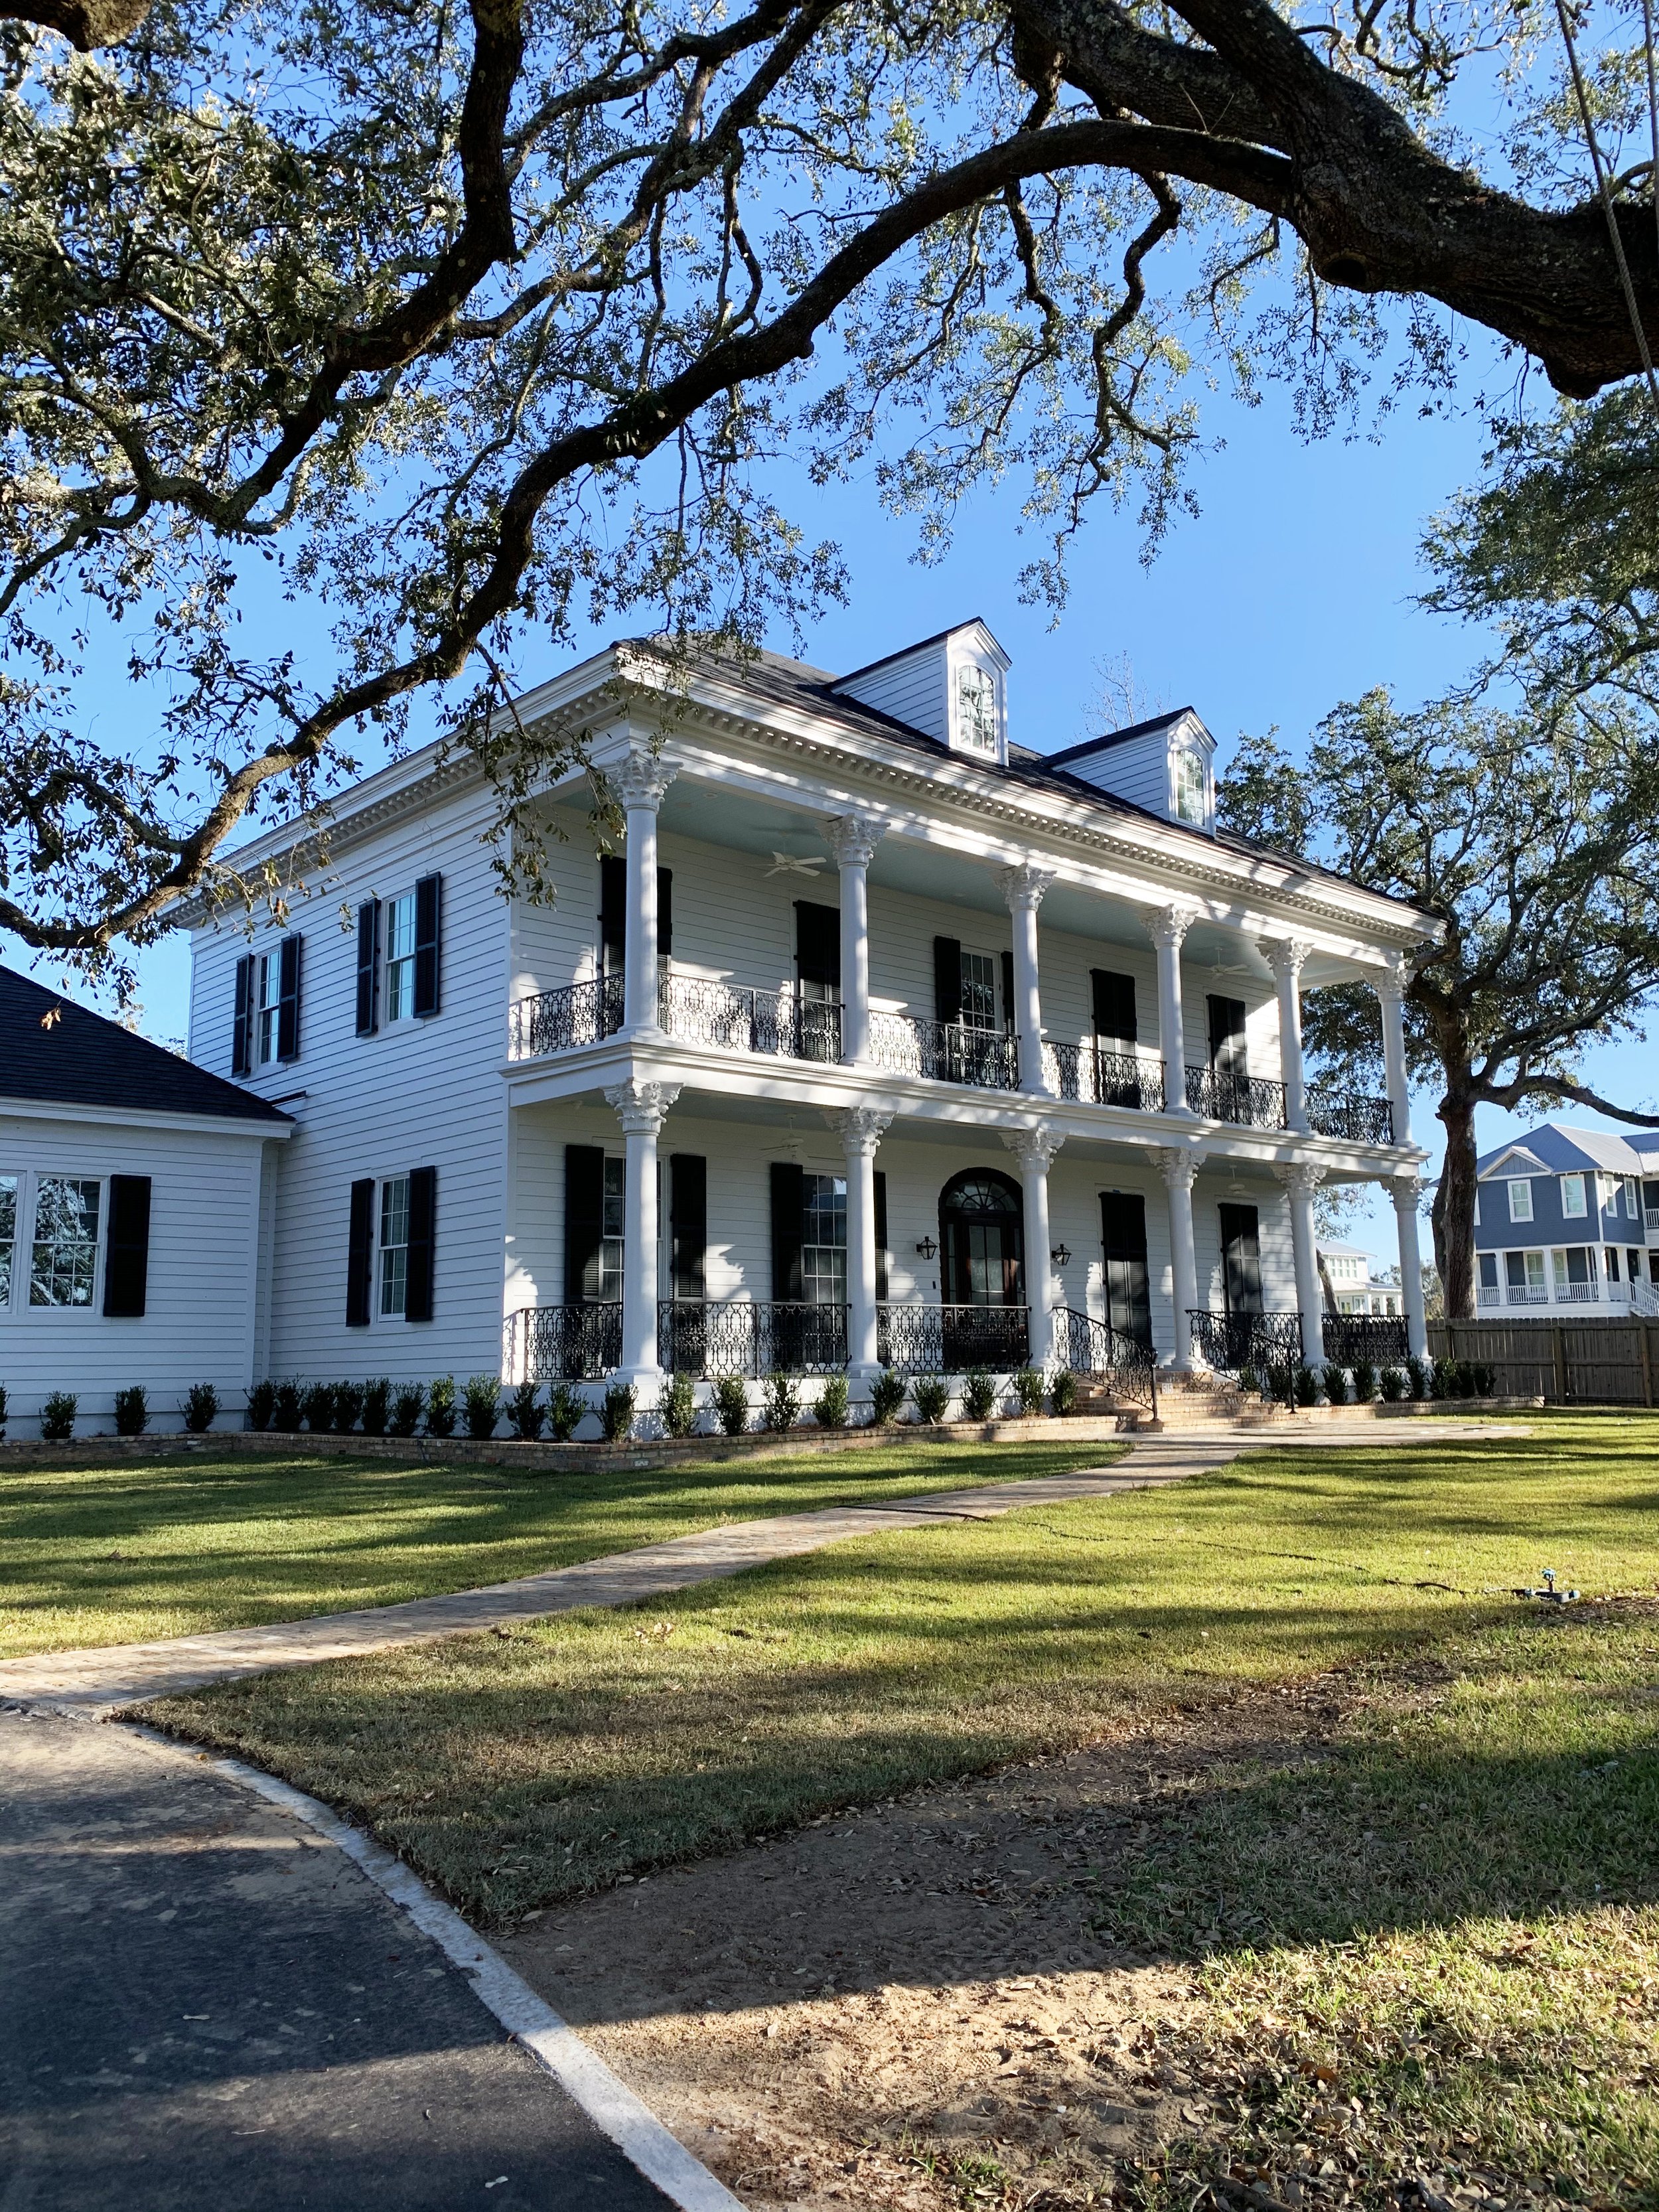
[(113, 1675)]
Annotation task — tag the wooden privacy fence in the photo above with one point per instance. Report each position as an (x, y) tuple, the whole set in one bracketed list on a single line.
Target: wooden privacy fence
[(1604, 1362)]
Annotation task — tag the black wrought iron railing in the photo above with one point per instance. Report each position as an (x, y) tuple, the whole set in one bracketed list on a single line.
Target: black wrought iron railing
[(922, 1339), (947, 1051), (1380, 1338), (739, 1019), (1095, 1348), (561, 1021), (1342, 1113), (742, 1336), (1221, 1095), (1094, 1077), (1230, 1342), (563, 1344)]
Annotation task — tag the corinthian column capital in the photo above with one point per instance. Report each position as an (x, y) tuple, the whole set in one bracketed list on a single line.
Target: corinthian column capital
[(861, 1129), (1024, 884), (1298, 1176), (640, 778), (641, 1108), (1178, 1166), (1167, 927), (1034, 1148), (1285, 956), (852, 838)]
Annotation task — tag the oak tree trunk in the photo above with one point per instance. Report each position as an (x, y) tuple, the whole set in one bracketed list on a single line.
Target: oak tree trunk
[(1454, 1207)]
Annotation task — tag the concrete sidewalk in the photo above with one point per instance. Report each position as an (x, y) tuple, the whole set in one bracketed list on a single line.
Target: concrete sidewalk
[(111, 1675)]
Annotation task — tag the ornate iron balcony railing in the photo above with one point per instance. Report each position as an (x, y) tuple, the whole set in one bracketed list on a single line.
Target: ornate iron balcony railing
[(1094, 1077), (1343, 1113), (1219, 1094), (561, 1021), (923, 1340), (1380, 1338), (946, 1051), (739, 1019), (563, 1344), (1230, 1342), (1095, 1348), (742, 1336)]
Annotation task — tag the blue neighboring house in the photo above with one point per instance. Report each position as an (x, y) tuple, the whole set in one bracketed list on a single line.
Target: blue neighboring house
[(1569, 1219)]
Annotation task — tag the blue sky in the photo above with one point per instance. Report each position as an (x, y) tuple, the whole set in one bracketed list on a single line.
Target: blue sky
[(1293, 589)]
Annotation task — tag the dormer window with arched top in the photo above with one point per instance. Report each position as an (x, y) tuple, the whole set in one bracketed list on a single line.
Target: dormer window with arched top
[(976, 710), (1189, 793)]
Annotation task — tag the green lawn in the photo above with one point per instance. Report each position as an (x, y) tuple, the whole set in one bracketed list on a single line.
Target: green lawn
[(165, 1547)]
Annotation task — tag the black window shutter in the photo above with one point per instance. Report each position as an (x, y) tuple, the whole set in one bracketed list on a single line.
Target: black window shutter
[(368, 967), (360, 1254), (288, 1000), (1227, 1034), (687, 1223), (788, 1212), (1010, 1012), (428, 942), (241, 1028), (126, 1248), (881, 1236), (613, 911), (665, 912), (947, 979), (584, 1222), (817, 944), (422, 1228), (1114, 1006)]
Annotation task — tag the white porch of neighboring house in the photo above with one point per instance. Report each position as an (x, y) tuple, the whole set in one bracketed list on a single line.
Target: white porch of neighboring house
[(890, 1002)]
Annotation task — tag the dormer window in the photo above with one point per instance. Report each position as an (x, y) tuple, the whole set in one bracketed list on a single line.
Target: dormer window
[(1189, 796), (976, 710)]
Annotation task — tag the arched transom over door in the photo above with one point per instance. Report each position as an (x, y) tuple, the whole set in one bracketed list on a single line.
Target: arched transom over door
[(982, 1239)]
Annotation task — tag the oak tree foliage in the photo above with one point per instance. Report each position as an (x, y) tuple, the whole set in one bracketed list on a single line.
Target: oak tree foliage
[(1534, 838), (474, 319)]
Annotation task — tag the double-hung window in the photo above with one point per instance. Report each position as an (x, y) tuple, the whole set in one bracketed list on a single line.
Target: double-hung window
[(823, 1239), (1574, 1203), (1190, 787), (979, 991), (1521, 1200), (976, 711), (267, 1006), (64, 1260), (7, 1235), (612, 1221), (394, 1244), (400, 957)]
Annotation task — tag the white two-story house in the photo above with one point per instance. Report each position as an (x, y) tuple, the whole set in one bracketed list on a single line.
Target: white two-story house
[(879, 1040)]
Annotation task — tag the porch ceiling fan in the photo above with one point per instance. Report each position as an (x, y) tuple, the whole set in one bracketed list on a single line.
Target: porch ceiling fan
[(786, 864)]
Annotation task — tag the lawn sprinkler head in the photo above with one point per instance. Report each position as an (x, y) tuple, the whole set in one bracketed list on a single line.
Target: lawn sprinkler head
[(1549, 1594)]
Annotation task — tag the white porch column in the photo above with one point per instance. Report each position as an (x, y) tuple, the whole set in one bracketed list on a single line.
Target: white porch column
[(861, 1129), (1390, 988), (853, 841), (1178, 1169), (1023, 887), (1034, 1149), (1302, 1183), (1403, 1190), (1168, 928), (1285, 957), (640, 782), (641, 1108)]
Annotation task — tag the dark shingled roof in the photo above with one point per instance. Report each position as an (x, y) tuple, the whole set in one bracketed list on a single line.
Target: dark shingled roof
[(81, 1060)]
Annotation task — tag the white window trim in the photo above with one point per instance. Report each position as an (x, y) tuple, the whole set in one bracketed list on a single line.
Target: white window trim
[(19, 1307), (388, 1016), (1516, 1183), (378, 1316), (1583, 1211)]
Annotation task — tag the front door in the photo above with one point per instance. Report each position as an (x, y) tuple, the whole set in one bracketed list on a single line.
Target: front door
[(1241, 1279), (1128, 1291), (983, 1253)]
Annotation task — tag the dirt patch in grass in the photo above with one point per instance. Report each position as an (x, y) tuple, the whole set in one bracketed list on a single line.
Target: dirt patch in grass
[(1385, 1936)]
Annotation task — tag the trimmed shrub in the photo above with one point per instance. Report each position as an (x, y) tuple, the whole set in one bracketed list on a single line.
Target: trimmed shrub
[(377, 1406), (1336, 1382), (200, 1408), (347, 1404), (58, 1417), (1421, 1375), (481, 1399), (565, 1407), (1281, 1383), (830, 1411), (1062, 1393), (731, 1405), (132, 1410), (1307, 1387), (408, 1403), (679, 1406), (440, 1406), (2, 1409), (979, 1394), (887, 1394), (524, 1410), (261, 1405), (1248, 1381), (1030, 1389), (933, 1395), (616, 1414), (317, 1404), (1364, 1382), (1484, 1381), (287, 1407), (779, 1403), (1394, 1384)]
